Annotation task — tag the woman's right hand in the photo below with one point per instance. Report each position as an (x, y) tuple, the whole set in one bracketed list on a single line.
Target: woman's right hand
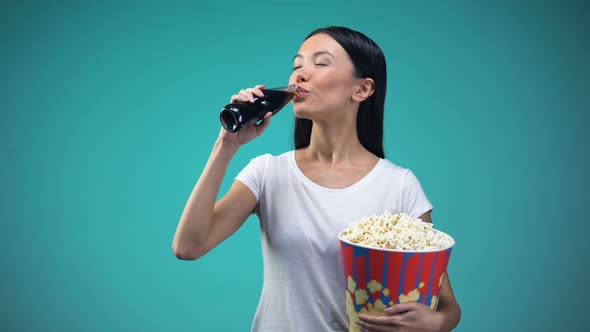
[(247, 134)]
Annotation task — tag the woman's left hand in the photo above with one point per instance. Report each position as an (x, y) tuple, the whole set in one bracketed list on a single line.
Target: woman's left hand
[(407, 317)]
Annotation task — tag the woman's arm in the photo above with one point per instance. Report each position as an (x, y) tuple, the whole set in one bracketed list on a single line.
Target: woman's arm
[(447, 304), (204, 222)]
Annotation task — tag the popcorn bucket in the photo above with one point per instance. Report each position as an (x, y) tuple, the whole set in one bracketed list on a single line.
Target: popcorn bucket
[(376, 279)]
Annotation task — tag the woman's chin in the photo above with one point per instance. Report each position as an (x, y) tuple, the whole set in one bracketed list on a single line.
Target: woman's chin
[(301, 112)]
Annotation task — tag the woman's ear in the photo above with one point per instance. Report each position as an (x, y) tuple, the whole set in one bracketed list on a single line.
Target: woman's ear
[(363, 90)]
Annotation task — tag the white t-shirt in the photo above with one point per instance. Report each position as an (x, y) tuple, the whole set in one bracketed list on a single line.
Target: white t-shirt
[(304, 285)]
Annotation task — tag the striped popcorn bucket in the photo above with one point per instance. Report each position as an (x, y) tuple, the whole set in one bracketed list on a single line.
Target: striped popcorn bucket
[(376, 279)]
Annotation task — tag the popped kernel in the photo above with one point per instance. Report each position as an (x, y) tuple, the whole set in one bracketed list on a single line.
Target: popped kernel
[(351, 284), (412, 296), (433, 302), (379, 305), (395, 231), (374, 286), (361, 296)]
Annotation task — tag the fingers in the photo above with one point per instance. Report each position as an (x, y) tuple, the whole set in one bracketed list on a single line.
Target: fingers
[(376, 323), (248, 95), (260, 128), (399, 308)]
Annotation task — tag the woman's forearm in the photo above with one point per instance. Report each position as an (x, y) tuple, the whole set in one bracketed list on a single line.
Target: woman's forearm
[(452, 314), (196, 218), (448, 306)]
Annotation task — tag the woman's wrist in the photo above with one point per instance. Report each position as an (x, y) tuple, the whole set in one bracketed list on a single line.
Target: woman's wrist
[(226, 147)]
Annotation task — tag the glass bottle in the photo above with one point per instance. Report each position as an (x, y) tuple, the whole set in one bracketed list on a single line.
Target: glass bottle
[(240, 115)]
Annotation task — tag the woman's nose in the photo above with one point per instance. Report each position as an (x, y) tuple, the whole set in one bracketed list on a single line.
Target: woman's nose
[(301, 78)]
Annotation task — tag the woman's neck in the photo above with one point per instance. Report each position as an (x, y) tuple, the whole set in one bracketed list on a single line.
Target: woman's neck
[(336, 143)]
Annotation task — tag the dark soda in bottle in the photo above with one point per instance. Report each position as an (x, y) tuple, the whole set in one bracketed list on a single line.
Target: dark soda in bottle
[(237, 116)]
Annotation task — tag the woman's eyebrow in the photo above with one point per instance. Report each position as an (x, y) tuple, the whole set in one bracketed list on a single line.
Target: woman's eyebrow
[(315, 54)]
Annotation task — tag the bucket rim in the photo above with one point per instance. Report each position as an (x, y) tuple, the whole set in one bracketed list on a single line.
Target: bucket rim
[(451, 245)]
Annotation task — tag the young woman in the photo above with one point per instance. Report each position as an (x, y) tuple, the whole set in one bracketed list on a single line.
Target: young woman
[(336, 174)]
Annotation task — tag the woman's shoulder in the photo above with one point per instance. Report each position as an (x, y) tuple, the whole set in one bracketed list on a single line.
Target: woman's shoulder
[(273, 159), (404, 173), (393, 167)]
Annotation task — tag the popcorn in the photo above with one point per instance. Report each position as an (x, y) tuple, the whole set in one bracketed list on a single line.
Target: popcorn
[(434, 302), (352, 314), (361, 296), (387, 278), (412, 296), (351, 284), (395, 231), (380, 306), (374, 286)]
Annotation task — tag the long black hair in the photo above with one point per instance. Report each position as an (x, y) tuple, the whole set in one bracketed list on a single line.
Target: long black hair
[(368, 62)]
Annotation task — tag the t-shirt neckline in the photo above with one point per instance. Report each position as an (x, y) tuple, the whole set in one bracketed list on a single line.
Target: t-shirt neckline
[(353, 186)]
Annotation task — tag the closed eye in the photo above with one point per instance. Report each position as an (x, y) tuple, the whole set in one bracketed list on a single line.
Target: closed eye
[(296, 67), (321, 64)]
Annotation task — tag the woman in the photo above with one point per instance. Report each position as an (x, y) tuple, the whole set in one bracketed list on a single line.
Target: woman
[(337, 174)]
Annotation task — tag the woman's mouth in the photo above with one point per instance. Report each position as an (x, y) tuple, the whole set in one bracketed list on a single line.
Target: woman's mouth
[(302, 93)]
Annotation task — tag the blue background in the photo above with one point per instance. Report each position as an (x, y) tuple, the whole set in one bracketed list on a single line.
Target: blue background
[(109, 110)]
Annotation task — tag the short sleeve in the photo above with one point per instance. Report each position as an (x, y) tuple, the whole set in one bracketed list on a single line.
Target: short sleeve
[(415, 202), (252, 176)]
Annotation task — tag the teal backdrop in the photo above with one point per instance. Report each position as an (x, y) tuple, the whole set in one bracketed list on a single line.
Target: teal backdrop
[(109, 110)]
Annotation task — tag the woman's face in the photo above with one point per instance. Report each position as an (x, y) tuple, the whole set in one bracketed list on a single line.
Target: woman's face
[(323, 69)]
